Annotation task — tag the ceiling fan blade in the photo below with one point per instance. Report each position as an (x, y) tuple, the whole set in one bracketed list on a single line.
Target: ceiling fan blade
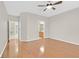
[(59, 2), (53, 8), (41, 5), (45, 9)]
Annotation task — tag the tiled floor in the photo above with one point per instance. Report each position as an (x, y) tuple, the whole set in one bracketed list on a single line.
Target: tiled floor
[(41, 48)]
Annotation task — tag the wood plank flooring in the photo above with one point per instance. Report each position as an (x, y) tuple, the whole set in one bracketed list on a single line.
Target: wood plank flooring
[(47, 48)]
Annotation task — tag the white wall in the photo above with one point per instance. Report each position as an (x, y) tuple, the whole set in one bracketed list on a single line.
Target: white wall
[(65, 26), (3, 27), (29, 26)]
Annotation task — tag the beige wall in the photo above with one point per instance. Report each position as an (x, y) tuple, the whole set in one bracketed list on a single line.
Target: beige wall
[(3, 27), (65, 26)]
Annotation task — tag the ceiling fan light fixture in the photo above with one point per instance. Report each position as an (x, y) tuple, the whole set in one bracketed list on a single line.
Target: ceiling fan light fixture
[(49, 7)]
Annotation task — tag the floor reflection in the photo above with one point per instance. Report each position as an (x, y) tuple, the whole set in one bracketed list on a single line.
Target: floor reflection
[(42, 49)]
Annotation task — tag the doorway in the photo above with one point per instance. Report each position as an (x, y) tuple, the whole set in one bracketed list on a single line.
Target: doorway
[(13, 29), (42, 30), (13, 37)]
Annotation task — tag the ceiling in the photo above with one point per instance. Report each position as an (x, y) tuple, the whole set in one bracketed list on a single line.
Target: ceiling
[(17, 7)]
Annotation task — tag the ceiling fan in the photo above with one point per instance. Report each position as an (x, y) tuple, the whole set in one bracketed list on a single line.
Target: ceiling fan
[(50, 5)]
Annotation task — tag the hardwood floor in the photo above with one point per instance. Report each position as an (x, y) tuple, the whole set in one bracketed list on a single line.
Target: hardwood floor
[(41, 49)]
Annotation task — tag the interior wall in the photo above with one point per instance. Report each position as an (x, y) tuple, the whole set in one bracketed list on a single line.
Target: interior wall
[(29, 26), (3, 27), (65, 26)]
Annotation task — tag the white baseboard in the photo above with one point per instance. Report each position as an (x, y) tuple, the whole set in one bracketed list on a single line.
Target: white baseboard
[(29, 40), (55, 39), (3, 49), (64, 40)]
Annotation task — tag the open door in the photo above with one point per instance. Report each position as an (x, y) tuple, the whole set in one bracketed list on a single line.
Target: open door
[(13, 37), (13, 30)]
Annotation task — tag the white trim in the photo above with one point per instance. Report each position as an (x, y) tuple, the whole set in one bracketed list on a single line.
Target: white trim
[(32, 39), (52, 38), (29, 40), (3, 49), (64, 40)]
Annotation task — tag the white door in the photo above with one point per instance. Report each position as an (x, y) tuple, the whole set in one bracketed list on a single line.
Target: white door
[(13, 29)]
